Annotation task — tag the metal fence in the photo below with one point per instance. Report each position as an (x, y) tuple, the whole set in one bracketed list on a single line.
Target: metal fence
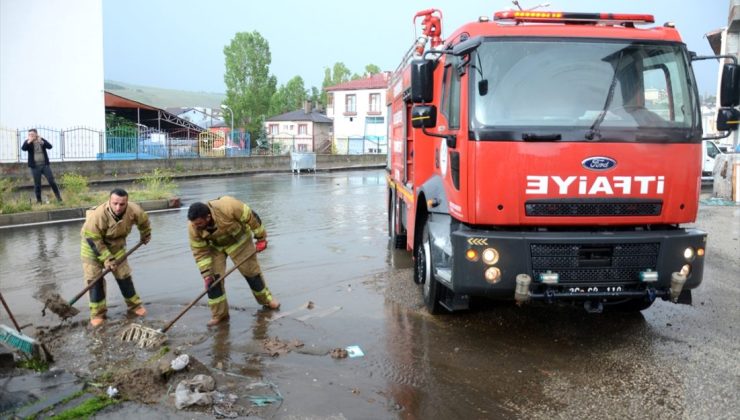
[(282, 145), (128, 143)]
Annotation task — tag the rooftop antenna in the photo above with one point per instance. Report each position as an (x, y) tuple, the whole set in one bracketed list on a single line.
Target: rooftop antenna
[(516, 3)]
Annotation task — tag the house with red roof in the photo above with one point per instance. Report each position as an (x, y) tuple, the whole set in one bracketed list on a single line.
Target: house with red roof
[(359, 111)]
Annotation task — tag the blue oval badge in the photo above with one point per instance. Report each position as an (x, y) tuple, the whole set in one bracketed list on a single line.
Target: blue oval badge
[(599, 163)]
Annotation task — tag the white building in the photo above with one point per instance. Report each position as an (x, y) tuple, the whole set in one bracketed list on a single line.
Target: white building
[(359, 111), (51, 72)]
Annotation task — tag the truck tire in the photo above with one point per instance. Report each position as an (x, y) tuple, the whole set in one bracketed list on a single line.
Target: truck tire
[(430, 287), (397, 241), (630, 305)]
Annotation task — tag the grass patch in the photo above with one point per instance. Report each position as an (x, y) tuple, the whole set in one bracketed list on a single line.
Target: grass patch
[(87, 408), (76, 193), (37, 365)]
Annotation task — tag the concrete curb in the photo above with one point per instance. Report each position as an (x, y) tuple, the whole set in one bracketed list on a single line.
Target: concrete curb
[(62, 215)]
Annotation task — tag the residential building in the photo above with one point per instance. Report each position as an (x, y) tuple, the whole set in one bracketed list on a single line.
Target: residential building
[(359, 111), (303, 130)]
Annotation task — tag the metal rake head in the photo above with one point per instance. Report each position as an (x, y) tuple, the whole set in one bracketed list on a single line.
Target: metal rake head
[(143, 336)]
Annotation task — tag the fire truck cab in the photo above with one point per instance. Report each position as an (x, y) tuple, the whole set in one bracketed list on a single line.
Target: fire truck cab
[(549, 156)]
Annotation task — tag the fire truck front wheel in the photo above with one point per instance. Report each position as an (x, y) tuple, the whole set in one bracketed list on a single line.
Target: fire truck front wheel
[(431, 289)]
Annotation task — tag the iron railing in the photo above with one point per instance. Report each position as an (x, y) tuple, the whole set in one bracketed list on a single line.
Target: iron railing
[(129, 143)]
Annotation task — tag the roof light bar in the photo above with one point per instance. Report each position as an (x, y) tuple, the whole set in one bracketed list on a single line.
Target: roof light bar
[(561, 17)]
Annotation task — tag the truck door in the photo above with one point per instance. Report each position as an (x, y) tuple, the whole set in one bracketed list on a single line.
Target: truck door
[(711, 151)]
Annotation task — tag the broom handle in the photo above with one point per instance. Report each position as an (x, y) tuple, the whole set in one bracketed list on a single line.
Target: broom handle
[(17, 327), (203, 293), (106, 271)]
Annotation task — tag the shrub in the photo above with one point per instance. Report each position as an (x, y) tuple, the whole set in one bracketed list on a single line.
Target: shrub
[(74, 184)]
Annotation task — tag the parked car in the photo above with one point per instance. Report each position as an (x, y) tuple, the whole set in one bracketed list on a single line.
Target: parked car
[(710, 151)]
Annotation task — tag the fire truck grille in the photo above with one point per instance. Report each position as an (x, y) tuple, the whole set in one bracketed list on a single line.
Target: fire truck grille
[(599, 263), (586, 208)]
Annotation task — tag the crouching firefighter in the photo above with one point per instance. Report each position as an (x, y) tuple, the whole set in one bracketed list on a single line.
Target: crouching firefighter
[(225, 227), (104, 242)]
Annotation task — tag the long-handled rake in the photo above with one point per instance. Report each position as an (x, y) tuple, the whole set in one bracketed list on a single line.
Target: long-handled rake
[(16, 339), (64, 309), (149, 337)]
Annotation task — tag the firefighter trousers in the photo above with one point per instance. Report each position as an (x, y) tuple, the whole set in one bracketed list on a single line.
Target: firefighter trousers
[(250, 270), (98, 307)]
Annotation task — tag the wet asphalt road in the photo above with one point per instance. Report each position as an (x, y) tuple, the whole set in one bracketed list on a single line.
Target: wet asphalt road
[(328, 245)]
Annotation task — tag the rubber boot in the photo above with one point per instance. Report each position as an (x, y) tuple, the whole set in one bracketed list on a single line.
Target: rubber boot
[(261, 292)]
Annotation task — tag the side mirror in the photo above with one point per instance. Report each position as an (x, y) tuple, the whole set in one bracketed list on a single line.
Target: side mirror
[(467, 46), (422, 73), (729, 94), (424, 116), (728, 119)]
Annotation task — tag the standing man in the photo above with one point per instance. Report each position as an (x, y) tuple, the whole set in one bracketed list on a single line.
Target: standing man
[(38, 161), (104, 242), (225, 227)]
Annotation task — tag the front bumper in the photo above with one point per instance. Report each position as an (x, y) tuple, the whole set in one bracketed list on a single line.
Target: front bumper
[(607, 265)]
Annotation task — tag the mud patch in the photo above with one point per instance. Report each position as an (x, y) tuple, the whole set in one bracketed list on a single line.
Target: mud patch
[(59, 306), (275, 347)]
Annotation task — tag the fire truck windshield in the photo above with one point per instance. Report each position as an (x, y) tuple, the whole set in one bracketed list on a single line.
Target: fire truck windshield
[(525, 89)]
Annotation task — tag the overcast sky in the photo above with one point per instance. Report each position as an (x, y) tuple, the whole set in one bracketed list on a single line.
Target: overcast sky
[(179, 43)]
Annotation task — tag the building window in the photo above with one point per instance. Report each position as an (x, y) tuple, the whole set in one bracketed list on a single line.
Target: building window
[(330, 99), (375, 120), (273, 129), (350, 104), (302, 129), (291, 127), (374, 105)]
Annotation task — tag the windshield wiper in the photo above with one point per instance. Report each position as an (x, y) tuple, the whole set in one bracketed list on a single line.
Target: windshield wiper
[(541, 137), (593, 132)]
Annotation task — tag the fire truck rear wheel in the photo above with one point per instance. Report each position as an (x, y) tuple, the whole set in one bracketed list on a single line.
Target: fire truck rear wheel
[(431, 289)]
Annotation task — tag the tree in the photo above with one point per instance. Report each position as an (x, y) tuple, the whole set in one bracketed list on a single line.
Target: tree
[(339, 73), (371, 69), (249, 85), (315, 95), (289, 97)]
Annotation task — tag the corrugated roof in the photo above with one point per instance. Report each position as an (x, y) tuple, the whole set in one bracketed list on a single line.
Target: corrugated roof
[(376, 81), (301, 115)]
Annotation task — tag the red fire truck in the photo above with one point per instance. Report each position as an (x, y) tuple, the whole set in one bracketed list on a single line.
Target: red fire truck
[(550, 156)]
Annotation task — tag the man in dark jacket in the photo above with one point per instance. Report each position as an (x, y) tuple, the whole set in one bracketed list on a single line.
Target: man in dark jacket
[(38, 161)]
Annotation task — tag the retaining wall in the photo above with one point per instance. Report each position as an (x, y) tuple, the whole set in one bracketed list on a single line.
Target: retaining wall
[(99, 169)]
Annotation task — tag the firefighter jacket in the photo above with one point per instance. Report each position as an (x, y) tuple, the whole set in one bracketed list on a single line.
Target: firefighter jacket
[(104, 234), (234, 224)]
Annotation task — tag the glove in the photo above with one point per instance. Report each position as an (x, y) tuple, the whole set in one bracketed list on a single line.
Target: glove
[(145, 239), (110, 264), (261, 245)]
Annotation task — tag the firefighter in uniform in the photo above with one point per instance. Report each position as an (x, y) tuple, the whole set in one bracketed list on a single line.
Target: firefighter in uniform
[(103, 242), (225, 227)]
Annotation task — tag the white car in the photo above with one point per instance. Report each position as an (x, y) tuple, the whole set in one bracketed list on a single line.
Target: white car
[(709, 154)]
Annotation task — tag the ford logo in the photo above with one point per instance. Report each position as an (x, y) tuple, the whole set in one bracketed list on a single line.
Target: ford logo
[(599, 163)]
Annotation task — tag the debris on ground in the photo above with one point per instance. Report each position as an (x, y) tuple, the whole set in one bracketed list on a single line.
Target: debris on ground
[(339, 353), (354, 351), (196, 391), (274, 347)]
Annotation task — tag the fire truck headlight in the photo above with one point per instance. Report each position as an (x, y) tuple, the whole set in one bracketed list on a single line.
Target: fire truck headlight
[(688, 254), (471, 255), (492, 275), (700, 252), (490, 256)]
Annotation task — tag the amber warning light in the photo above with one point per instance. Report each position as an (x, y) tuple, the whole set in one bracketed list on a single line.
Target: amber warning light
[(560, 17)]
